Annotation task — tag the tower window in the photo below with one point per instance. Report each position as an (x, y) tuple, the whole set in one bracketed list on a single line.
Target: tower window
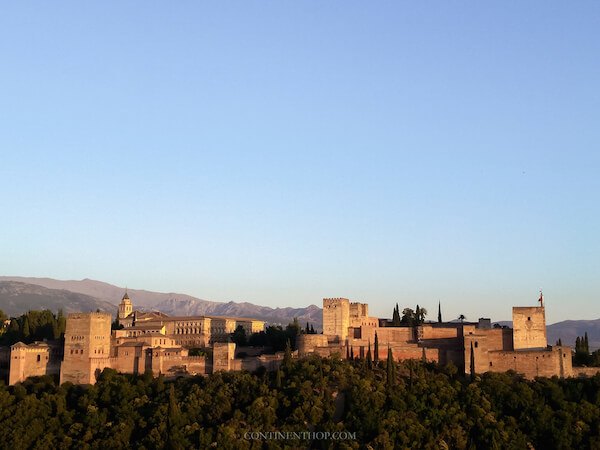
[(39, 358), (529, 318)]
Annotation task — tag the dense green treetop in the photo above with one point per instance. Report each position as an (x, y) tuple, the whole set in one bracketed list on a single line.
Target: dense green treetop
[(392, 405)]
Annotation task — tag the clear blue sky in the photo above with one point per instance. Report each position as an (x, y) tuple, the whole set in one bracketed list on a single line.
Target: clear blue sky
[(282, 152)]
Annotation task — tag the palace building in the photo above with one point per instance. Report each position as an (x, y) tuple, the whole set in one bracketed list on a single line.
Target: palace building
[(148, 341)]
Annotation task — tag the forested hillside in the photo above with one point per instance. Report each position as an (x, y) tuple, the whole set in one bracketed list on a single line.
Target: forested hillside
[(409, 405)]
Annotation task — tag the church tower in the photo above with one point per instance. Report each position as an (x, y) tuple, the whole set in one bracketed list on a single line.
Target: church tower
[(125, 307)]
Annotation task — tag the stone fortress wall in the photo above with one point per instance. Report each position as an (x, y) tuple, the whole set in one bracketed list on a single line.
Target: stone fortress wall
[(523, 348)]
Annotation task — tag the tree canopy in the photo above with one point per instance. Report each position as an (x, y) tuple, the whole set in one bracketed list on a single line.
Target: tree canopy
[(34, 326), (411, 404)]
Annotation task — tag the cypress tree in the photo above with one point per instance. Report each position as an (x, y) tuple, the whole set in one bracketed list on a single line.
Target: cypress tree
[(173, 411), (312, 330), (396, 317), (352, 353), (55, 329), (173, 421), (586, 344), (376, 349), (390, 369), (26, 328), (287, 356), (307, 328), (472, 363), (424, 355), (347, 351), (439, 312), (62, 322), (369, 360), (278, 378), (417, 315), (577, 345)]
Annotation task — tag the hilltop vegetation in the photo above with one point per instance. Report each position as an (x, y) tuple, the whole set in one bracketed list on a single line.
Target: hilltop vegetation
[(409, 405), (33, 326)]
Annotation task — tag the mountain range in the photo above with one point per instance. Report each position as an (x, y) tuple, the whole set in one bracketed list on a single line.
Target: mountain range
[(20, 294)]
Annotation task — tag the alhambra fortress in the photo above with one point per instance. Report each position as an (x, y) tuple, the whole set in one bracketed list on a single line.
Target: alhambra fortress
[(160, 343)]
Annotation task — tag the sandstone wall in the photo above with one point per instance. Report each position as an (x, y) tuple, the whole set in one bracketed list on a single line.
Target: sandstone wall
[(130, 359), (87, 347), (485, 341), (223, 356), (336, 317), (531, 363), (585, 371), (308, 343), (358, 313), (429, 331), (529, 325), (30, 361)]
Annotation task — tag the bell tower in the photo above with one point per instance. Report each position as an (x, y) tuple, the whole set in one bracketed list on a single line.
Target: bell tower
[(125, 307)]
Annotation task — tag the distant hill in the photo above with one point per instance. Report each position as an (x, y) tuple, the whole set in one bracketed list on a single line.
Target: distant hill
[(88, 295), (568, 330), (104, 291), (277, 316), (17, 298)]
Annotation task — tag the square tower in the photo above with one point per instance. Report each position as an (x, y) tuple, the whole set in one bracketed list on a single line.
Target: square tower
[(336, 317), (359, 312), (87, 347), (529, 327), (223, 356)]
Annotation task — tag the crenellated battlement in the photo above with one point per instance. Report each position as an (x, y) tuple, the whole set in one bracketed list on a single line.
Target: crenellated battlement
[(96, 314)]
